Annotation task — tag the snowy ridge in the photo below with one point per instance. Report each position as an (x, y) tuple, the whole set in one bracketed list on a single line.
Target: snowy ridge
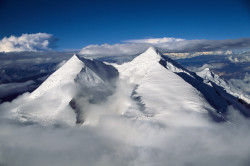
[(135, 70), (64, 75), (209, 77)]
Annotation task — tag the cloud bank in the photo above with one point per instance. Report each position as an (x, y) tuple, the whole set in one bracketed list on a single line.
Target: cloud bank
[(28, 42), (120, 140), (155, 40), (116, 49), (11, 88), (240, 58), (241, 85), (166, 45), (194, 54)]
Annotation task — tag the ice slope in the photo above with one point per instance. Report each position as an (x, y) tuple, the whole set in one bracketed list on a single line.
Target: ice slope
[(165, 95)]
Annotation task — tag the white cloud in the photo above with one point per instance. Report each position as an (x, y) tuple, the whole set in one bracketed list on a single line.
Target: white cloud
[(27, 42), (167, 45), (116, 49), (241, 85), (12, 88), (210, 66), (194, 54), (155, 40), (239, 58), (117, 140)]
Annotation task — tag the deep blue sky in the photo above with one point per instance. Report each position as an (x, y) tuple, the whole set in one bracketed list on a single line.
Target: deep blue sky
[(79, 23)]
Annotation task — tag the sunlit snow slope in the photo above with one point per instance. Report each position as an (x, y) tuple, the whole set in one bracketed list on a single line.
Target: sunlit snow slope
[(164, 94), (64, 75)]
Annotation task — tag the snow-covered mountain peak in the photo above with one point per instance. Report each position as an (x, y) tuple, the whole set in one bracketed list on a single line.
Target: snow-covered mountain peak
[(135, 70), (151, 55), (64, 75), (141, 65), (206, 73), (151, 50), (78, 77), (210, 77)]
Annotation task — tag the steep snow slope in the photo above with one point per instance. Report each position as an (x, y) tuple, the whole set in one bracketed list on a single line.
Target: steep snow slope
[(135, 70), (49, 102), (60, 77), (164, 94)]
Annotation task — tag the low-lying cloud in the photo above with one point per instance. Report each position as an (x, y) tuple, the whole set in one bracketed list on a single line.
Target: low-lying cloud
[(119, 140), (28, 42), (12, 88), (240, 58), (166, 45), (241, 85), (204, 66), (194, 54)]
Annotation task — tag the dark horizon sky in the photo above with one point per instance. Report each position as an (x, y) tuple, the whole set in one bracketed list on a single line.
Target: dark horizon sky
[(79, 23)]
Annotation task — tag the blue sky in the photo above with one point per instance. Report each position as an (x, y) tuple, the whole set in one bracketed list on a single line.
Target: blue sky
[(79, 23)]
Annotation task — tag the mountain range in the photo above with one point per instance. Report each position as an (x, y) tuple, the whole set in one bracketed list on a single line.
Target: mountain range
[(150, 87)]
